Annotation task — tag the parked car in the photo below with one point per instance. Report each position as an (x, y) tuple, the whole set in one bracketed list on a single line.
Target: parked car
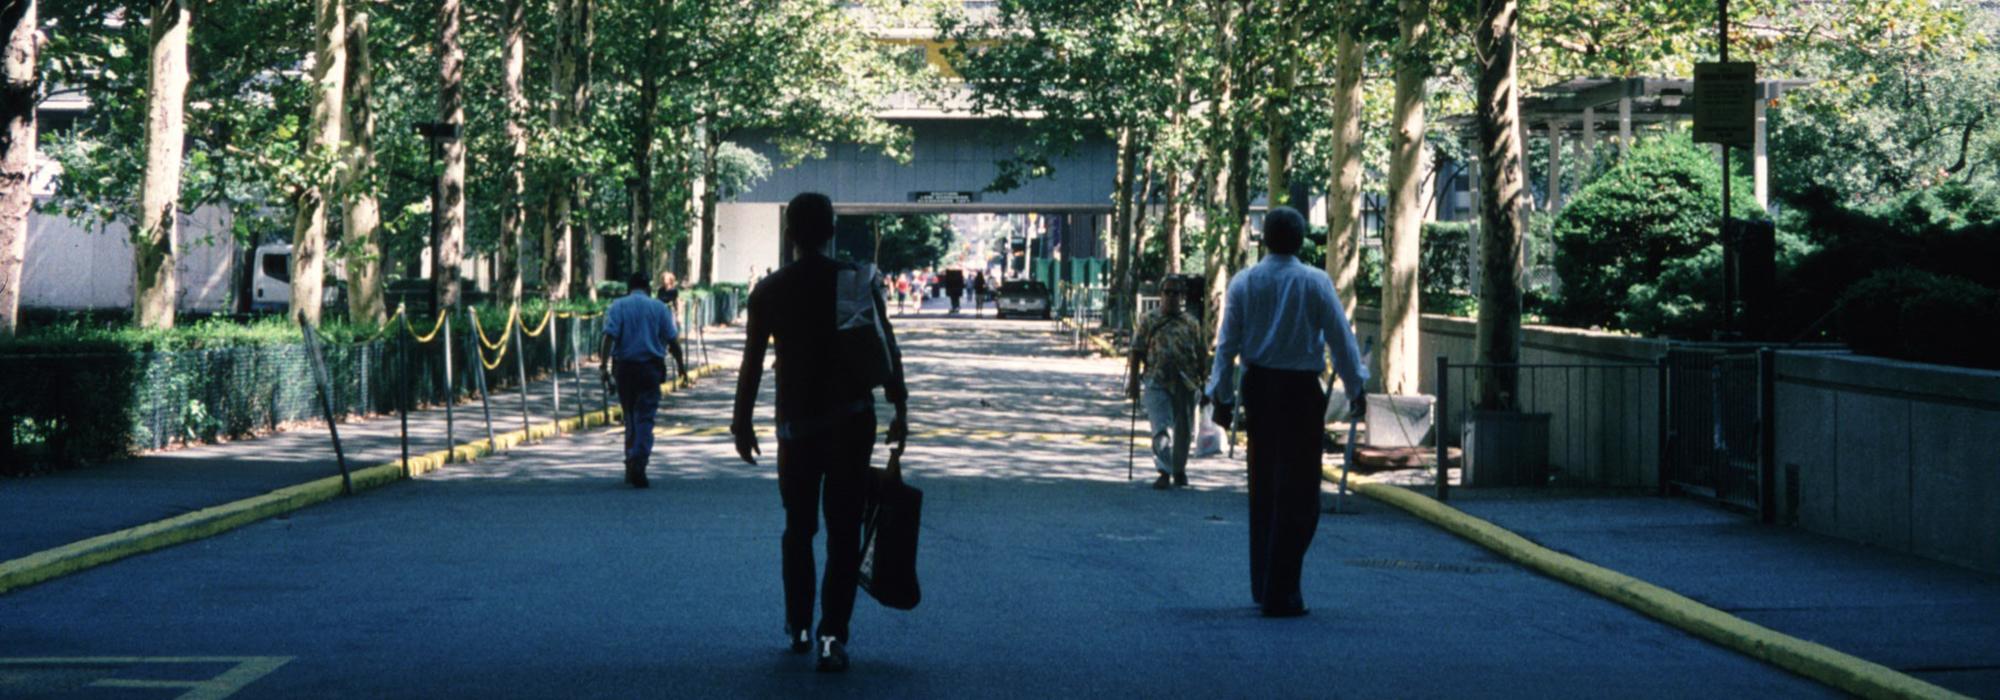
[(1023, 298)]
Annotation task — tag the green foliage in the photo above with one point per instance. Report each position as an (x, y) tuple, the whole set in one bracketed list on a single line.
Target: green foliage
[(1910, 314), (912, 241), (1655, 213), (1948, 231)]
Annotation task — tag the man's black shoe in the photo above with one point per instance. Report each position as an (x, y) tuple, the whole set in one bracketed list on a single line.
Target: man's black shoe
[(802, 641), (1180, 479), (832, 656), (638, 481), (1163, 483)]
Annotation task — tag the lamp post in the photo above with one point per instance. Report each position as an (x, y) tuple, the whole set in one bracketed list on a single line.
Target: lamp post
[(437, 133)]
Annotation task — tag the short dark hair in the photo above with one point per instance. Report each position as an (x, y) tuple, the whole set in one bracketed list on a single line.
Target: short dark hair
[(638, 281), (809, 220), (1284, 231)]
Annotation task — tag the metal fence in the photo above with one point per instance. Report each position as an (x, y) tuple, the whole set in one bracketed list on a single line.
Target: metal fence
[(1719, 433), (64, 409), (1606, 421)]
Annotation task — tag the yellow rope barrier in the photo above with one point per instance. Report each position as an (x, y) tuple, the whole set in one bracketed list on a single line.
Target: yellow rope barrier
[(423, 337), (537, 332), (500, 344), (497, 359)]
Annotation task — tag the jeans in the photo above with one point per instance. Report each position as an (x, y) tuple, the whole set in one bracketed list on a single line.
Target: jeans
[(1284, 411), (639, 396), (836, 459), (1171, 411)]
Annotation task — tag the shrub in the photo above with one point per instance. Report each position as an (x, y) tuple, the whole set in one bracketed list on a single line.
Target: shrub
[(1951, 231), (1911, 314), (1655, 213)]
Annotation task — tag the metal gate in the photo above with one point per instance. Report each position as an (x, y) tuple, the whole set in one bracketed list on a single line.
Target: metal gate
[(1718, 436)]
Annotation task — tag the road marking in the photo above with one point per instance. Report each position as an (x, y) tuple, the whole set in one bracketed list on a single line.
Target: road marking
[(243, 671)]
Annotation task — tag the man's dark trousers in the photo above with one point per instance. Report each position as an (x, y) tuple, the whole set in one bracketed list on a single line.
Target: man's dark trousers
[(639, 396), (837, 456), (1283, 409)]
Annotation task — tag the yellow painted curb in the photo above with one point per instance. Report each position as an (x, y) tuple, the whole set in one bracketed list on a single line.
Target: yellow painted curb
[(1816, 661), (207, 522)]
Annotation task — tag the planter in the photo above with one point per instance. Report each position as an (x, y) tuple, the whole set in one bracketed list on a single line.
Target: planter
[(1399, 421), (1506, 448)]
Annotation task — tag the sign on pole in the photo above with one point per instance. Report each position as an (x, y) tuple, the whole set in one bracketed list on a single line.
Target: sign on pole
[(1725, 103)]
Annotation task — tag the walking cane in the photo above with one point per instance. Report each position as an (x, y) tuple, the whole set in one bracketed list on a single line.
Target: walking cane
[(1131, 437)]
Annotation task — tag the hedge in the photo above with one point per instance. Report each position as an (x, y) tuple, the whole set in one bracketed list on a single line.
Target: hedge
[(73, 393)]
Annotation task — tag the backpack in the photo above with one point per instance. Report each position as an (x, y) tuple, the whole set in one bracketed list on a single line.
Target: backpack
[(861, 349)]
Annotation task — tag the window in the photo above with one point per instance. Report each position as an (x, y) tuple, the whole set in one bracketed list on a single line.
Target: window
[(278, 267)]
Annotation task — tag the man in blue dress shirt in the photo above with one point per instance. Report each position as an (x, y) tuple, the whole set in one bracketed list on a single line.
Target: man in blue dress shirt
[(638, 329), (1280, 316)]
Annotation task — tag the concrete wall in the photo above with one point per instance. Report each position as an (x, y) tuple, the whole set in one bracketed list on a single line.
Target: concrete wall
[(1893, 454), (1604, 423), (83, 265), (947, 155)]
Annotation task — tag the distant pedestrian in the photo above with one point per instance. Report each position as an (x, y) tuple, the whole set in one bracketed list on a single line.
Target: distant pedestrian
[(1280, 316), (902, 292), (954, 287), (978, 294), (1166, 355), (826, 421), (637, 331)]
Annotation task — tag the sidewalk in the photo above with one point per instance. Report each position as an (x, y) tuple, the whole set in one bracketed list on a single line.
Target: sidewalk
[(71, 505), (1934, 621)]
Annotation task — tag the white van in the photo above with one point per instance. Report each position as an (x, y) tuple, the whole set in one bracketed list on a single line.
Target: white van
[(271, 281)]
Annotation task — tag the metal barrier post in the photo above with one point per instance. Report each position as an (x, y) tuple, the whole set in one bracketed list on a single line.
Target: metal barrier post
[(403, 399), (485, 399), (1443, 424), (1767, 434), (576, 365), (555, 365), (450, 392), (521, 367), (325, 399), (1665, 433)]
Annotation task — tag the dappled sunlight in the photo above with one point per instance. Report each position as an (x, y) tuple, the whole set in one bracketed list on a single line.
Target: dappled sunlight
[(989, 401)]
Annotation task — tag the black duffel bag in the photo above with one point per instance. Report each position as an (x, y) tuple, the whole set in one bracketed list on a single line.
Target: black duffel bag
[(889, 525)]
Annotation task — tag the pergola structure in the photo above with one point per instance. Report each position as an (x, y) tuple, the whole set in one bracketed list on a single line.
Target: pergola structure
[(1583, 111)]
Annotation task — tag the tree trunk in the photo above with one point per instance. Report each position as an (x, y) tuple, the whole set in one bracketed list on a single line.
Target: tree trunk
[(513, 208), (711, 141), (1400, 305), (1343, 202), (154, 289), (691, 247), (329, 75), (641, 228), (1121, 229), (1277, 120), (19, 82), (587, 241), (1500, 191), (1144, 191), (363, 218), (556, 225), (451, 188)]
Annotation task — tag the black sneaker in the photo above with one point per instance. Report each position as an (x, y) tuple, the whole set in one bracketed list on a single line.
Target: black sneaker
[(1180, 479), (802, 641), (832, 656), (1163, 483)]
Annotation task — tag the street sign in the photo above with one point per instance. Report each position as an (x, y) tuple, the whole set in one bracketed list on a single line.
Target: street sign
[(944, 197), (1725, 103)]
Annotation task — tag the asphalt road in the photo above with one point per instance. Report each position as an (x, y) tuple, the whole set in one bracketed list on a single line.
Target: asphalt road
[(1046, 573)]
